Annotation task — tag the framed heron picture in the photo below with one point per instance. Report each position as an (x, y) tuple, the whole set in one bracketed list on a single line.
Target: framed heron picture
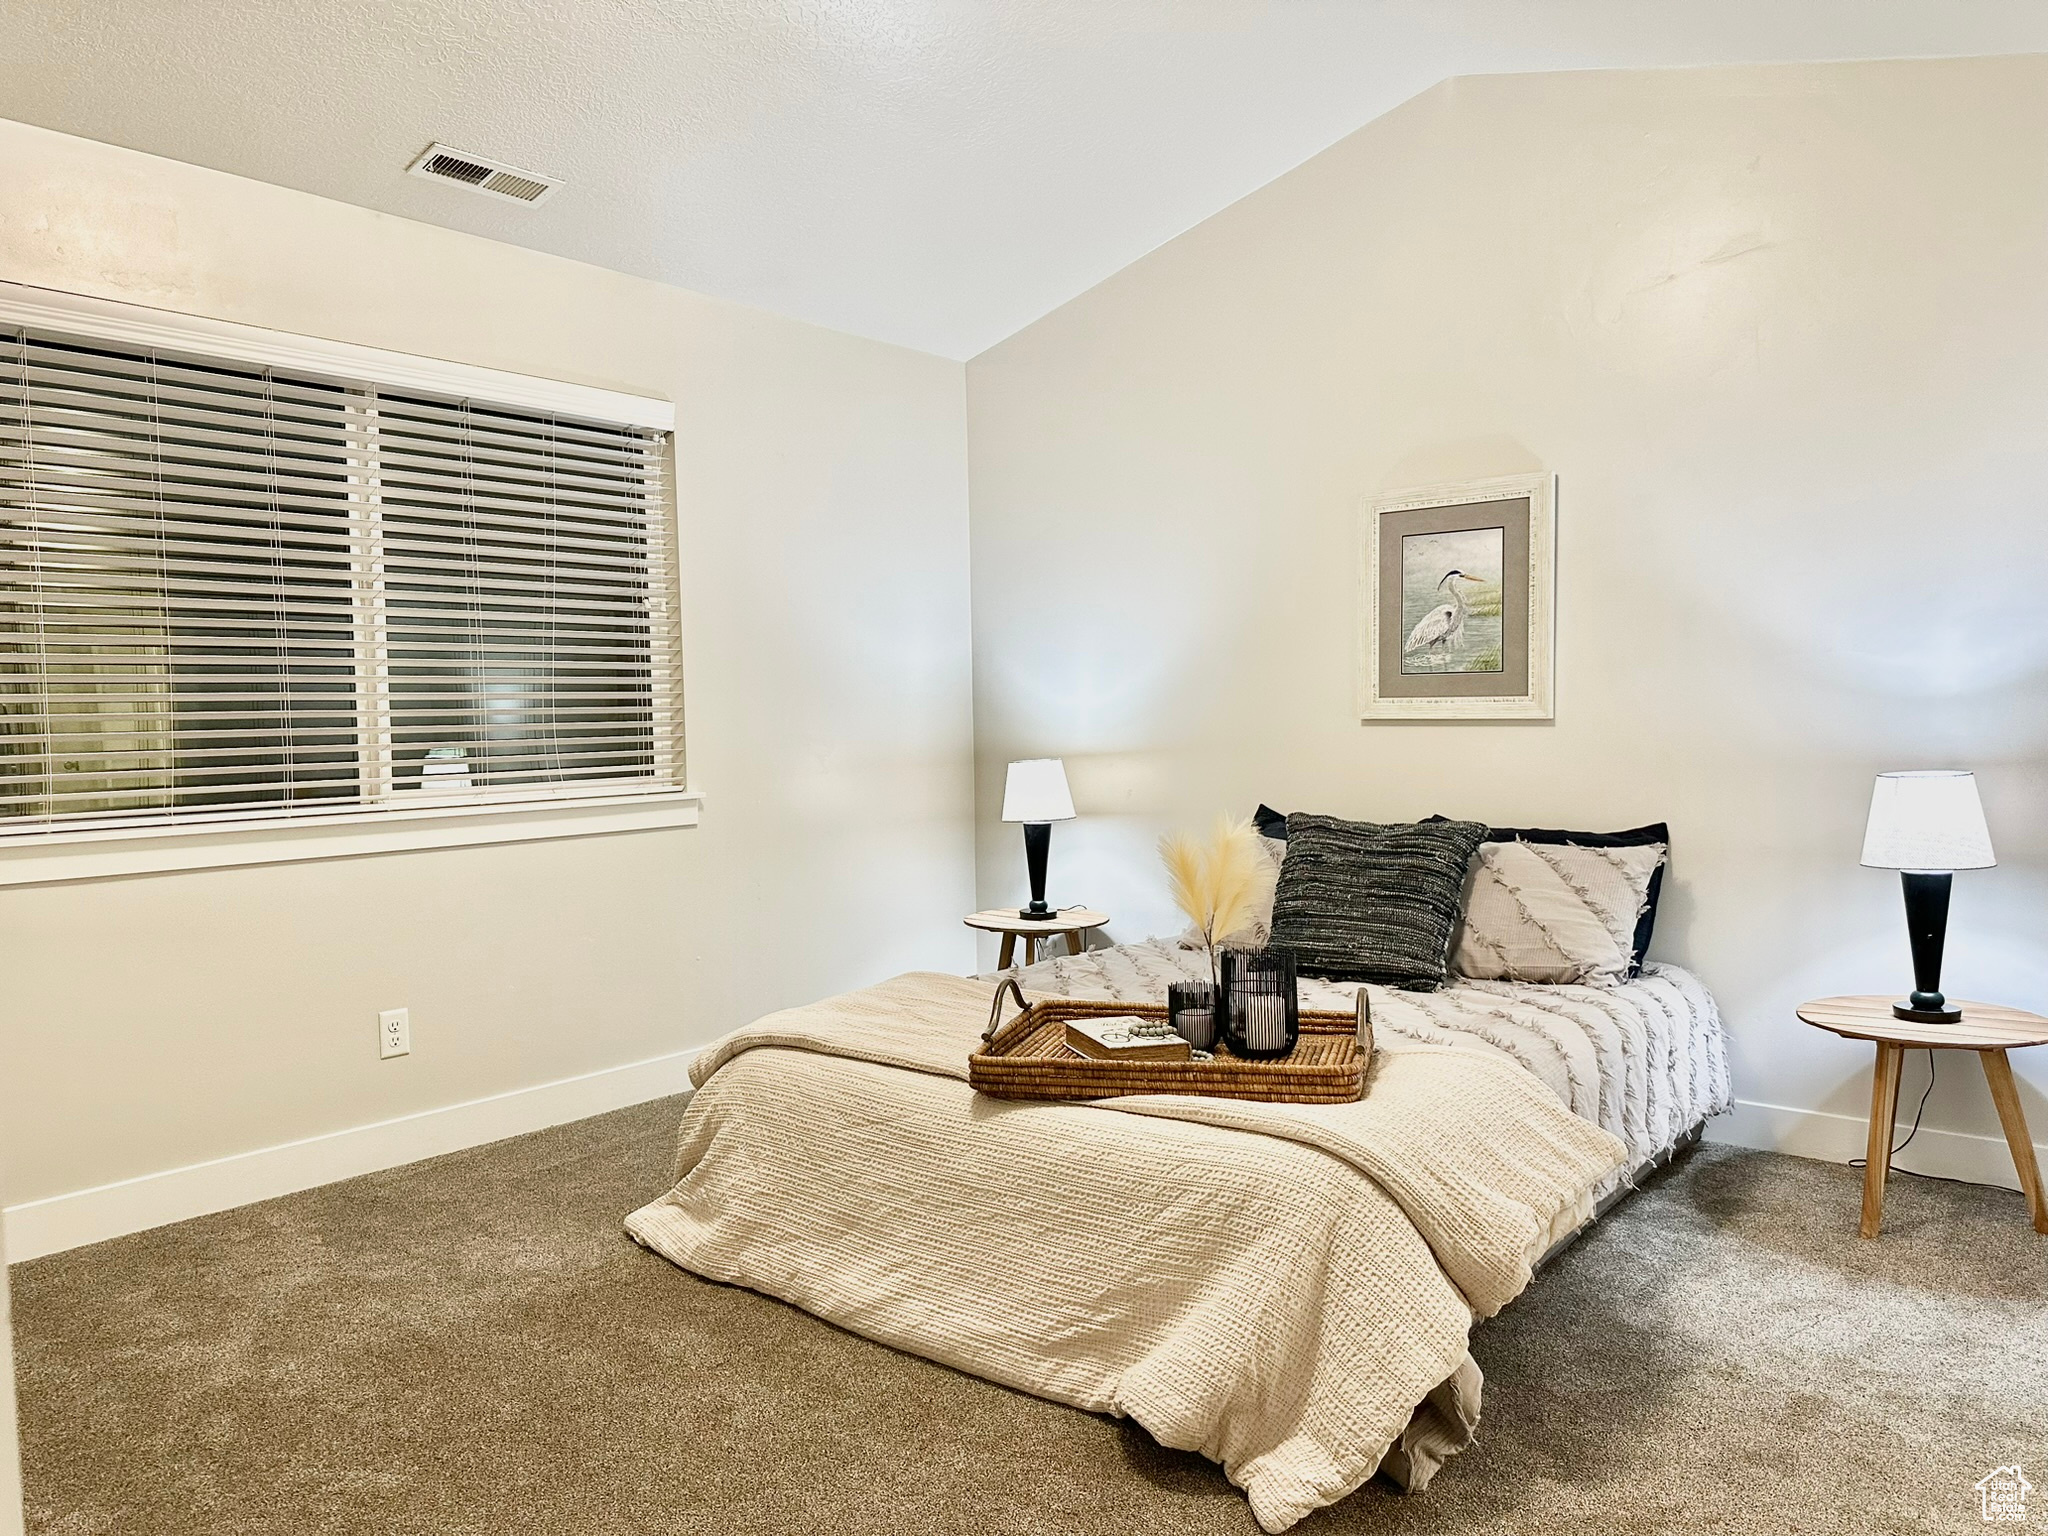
[(1456, 594)]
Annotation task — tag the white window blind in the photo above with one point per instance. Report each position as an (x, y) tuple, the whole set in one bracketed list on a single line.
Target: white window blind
[(232, 592)]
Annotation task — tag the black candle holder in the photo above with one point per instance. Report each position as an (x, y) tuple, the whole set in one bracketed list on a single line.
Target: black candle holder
[(1191, 1010), (1261, 1009)]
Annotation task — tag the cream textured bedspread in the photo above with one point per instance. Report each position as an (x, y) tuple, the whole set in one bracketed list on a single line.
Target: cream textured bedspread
[(1285, 1288)]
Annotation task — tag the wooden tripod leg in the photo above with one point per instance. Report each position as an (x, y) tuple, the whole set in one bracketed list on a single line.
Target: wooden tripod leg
[(2006, 1095), (1009, 952), (1884, 1109)]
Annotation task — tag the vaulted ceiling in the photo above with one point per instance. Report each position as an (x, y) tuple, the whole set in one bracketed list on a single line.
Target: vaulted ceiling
[(931, 172)]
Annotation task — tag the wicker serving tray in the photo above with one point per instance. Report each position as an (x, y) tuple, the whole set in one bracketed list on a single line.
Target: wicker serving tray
[(1028, 1058)]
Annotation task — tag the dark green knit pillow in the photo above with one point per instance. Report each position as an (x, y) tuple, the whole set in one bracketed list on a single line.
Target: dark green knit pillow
[(1360, 901)]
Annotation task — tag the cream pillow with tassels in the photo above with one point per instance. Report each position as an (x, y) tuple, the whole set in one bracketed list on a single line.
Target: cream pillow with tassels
[(1553, 912)]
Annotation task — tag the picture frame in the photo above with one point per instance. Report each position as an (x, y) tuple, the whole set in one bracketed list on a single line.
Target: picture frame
[(1457, 601)]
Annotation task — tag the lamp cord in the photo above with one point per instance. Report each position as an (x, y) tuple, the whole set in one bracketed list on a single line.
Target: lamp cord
[(1920, 1109)]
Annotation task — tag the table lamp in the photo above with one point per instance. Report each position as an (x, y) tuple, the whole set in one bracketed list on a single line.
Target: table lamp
[(1926, 825), (1036, 794)]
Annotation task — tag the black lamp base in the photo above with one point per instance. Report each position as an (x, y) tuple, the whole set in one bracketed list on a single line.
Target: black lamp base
[(1927, 928), (1037, 844), (1950, 1015)]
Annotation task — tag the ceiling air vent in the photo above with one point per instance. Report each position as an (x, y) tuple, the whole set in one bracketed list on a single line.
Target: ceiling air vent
[(493, 178)]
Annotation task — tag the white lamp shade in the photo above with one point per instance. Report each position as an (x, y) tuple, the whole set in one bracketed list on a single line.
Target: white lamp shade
[(1927, 821), (1037, 791)]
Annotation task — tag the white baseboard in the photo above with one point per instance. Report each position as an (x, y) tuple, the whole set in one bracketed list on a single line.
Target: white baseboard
[(1834, 1138), (52, 1225)]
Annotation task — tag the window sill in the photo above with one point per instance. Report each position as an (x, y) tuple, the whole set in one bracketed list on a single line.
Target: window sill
[(61, 857)]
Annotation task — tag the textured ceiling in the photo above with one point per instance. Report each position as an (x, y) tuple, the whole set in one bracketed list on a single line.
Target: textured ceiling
[(932, 172)]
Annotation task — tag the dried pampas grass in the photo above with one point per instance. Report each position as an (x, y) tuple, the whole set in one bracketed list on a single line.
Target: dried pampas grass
[(1217, 883)]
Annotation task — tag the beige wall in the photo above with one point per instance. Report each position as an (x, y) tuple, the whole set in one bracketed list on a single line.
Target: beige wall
[(153, 1022), (1782, 334)]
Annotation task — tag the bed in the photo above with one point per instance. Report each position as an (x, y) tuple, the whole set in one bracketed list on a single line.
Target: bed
[(1286, 1289), (1648, 1061)]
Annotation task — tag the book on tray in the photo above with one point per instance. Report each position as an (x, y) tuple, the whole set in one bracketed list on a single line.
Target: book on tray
[(1125, 1037)]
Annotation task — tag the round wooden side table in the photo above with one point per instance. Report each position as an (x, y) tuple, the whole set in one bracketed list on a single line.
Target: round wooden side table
[(1985, 1028), (1075, 922)]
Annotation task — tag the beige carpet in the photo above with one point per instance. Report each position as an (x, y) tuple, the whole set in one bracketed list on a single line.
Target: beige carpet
[(470, 1345)]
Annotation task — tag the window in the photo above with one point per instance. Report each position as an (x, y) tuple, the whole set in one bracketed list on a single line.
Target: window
[(232, 591)]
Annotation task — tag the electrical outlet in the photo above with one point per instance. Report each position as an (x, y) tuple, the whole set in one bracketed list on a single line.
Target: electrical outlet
[(394, 1032)]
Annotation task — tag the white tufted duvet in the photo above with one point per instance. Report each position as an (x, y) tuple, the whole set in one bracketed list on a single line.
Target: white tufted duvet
[(1647, 1060)]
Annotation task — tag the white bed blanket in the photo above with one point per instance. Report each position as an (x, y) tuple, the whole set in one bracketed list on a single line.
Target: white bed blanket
[(1647, 1060), (1287, 1289)]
